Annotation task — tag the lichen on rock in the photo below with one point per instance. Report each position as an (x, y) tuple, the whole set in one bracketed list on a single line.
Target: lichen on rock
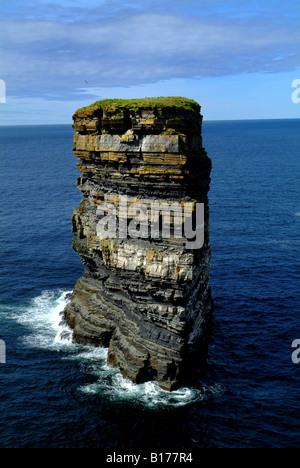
[(145, 297)]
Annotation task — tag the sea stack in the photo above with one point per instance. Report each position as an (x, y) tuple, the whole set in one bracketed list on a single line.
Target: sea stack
[(145, 291)]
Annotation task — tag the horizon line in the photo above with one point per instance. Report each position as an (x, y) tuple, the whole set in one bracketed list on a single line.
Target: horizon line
[(204, 120)]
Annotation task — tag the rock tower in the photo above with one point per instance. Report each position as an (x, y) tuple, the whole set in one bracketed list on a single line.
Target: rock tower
[(145, 291)]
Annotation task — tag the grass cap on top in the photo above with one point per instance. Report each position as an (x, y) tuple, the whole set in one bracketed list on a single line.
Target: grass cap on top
[(114, 105)]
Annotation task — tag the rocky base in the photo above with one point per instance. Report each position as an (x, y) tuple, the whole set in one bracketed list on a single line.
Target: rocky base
[(146, 299)]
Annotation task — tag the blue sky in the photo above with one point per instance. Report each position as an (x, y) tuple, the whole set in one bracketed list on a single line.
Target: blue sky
[(237, 58)]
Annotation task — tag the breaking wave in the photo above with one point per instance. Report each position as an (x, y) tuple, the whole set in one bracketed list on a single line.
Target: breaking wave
[(48, 330)]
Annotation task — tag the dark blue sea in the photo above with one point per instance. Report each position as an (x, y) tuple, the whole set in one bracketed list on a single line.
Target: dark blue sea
[(56, 394)]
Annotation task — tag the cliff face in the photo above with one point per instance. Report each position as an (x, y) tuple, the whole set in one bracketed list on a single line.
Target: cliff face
[(145, 291)]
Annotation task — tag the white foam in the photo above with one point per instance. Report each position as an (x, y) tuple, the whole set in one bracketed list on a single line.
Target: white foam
[(148, 393), (44, 319)]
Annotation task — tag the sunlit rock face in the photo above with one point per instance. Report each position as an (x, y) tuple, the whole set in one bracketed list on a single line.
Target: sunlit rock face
[(145, 291)]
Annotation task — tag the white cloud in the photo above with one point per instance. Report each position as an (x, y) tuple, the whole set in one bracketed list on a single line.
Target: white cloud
[(45, 57)]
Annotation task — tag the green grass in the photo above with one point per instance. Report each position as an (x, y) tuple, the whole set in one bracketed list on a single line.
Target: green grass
[(116, 105)]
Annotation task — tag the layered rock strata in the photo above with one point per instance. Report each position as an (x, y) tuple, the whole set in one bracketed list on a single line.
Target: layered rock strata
[(144, 295)]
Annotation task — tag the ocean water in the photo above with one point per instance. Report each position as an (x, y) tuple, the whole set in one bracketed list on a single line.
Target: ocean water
[(57, 394)]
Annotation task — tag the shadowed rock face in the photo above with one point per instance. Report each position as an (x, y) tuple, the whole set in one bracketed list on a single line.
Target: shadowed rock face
[(146, 298)]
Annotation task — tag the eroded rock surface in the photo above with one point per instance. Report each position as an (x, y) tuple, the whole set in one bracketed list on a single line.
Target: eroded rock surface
[(147, 299)]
